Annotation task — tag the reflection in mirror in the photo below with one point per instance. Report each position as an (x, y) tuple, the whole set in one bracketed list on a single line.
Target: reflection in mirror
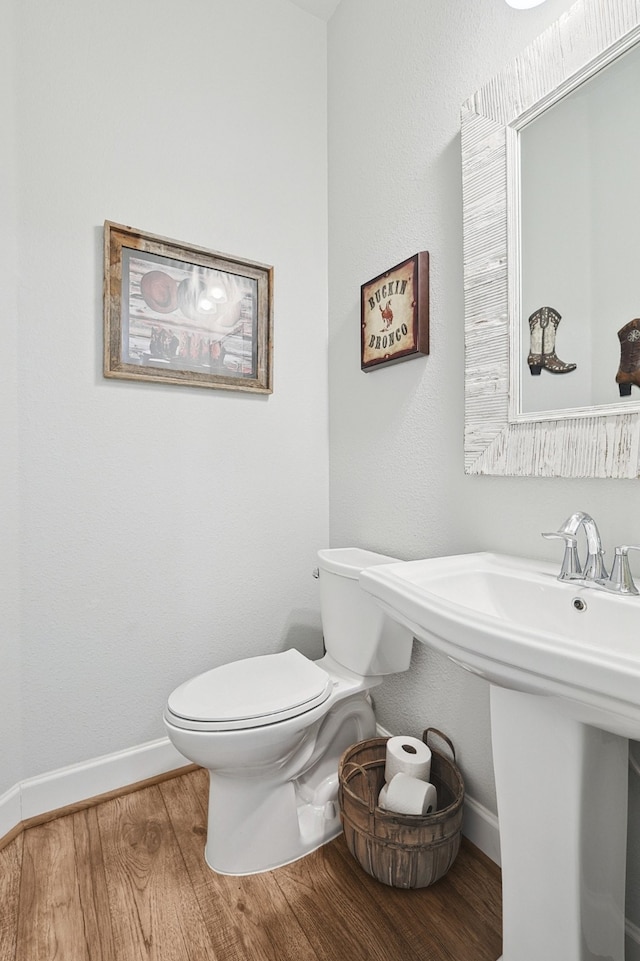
[(580, 244), (578, 250)]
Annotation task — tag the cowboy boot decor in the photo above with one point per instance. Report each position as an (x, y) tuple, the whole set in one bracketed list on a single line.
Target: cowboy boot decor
[(543, 324), (629, 371)]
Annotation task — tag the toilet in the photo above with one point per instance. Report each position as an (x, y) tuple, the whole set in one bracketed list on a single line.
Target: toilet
[(271, 729)]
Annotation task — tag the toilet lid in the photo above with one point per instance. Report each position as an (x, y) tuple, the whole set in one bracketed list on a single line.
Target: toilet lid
[(250, 693)]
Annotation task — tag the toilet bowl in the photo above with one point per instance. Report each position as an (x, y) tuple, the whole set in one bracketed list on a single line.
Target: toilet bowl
[(270, 729)]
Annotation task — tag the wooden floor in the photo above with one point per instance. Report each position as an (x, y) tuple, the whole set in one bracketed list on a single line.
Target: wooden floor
[(126, 881)]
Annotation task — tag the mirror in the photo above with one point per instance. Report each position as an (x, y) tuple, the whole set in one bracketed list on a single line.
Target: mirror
[(580, 243), (551, 196)]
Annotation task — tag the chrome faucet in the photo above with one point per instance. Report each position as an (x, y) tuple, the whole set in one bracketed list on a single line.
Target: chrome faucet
[(594, 565), (594, 573)]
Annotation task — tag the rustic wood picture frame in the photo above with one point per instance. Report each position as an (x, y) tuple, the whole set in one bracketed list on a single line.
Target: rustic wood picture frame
[(394, 314), (180, 314)]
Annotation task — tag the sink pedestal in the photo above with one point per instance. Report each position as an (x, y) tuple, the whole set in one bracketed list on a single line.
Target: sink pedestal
[(562, 807)]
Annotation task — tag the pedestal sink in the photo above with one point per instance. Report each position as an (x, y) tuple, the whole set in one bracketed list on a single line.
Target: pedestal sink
[(563, 662)]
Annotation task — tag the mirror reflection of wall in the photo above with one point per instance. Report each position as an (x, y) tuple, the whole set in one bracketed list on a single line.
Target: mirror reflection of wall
[(580, 236)]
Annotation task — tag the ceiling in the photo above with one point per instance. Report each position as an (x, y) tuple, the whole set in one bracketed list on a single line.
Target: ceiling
[(319, 8)]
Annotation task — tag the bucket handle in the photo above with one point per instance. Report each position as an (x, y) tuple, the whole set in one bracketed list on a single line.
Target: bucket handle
[(372, 798), (440, 734)]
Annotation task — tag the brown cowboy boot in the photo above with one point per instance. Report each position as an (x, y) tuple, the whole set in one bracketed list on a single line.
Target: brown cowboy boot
[(543, 325), (629, 372)]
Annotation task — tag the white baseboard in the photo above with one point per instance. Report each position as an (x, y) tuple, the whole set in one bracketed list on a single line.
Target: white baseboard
[(480, 825), (78, 782), (10, 810)]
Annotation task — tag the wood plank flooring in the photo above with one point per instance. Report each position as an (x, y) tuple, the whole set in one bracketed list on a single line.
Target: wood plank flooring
[(126, 881)]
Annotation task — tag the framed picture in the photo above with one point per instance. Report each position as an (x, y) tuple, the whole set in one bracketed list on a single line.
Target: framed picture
[(394, 314), (177, 314)]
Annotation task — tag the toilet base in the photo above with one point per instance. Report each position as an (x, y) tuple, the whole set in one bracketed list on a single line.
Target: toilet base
[(258, 823), (315, 829)]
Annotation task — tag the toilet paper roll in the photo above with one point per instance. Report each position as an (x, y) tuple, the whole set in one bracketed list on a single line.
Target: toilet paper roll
[(407, 755), (407, 795)]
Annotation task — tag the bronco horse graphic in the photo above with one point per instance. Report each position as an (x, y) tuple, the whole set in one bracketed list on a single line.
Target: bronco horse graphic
[(387, 315)]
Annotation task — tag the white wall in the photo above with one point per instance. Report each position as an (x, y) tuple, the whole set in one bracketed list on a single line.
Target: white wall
[(165, 529), (398, 72), (10, 700)]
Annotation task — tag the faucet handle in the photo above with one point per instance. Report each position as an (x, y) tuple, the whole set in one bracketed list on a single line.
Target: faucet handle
[(594, 569), (621, 579), (570, 562)]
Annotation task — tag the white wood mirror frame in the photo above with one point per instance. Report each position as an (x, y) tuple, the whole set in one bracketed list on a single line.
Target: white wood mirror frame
[(586, 442)]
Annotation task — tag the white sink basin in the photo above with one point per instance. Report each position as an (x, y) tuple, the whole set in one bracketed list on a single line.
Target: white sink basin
[(563, 662), (511, 621)]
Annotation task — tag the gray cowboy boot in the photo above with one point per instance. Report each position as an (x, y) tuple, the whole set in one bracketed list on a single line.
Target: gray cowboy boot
[(543, 324)]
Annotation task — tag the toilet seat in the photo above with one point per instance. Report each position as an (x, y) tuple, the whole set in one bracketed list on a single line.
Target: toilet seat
[(249, 693)]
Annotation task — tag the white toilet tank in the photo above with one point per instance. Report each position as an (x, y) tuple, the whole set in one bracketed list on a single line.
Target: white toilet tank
[(357, 633)]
